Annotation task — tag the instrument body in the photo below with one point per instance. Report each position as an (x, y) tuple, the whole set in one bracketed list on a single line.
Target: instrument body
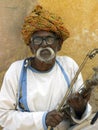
[(89, 85)]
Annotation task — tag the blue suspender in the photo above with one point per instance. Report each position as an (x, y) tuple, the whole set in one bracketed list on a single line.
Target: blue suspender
[(64, 73), (22, 94)]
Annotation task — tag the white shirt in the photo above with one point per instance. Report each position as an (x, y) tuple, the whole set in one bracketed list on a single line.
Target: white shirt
[(44, 93)]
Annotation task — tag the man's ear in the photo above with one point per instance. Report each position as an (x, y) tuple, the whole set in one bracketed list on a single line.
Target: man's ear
[(31, 48)]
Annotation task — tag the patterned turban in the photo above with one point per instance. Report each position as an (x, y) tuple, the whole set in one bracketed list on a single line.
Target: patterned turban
[(41, 19)]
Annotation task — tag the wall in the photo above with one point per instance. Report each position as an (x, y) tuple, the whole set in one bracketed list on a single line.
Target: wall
[(79, 16), (12, 14), (81, 19)]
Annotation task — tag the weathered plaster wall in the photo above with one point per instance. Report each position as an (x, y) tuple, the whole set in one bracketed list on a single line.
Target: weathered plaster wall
[(80, 17), (12, 14)]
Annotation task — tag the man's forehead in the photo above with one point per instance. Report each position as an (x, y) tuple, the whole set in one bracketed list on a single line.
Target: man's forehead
[(43, 33)]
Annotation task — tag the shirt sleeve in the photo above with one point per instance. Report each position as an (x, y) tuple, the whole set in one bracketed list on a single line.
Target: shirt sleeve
[(10, 117), (85, 115)]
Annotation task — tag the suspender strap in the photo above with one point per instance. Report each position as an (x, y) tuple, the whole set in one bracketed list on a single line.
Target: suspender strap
[(64, 73), (22, 94)]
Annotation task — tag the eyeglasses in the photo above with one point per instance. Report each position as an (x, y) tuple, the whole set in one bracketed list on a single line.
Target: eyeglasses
[(39, 40)]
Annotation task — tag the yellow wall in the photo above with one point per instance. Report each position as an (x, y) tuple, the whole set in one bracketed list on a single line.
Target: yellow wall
[(81, 19), (79, 16)]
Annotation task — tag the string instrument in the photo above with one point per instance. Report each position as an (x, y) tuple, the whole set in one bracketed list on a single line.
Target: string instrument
[(89, 84)]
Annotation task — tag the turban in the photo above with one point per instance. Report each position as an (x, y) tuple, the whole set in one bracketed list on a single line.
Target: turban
[(41, 19)]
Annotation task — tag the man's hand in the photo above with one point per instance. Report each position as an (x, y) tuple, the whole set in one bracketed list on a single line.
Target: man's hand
[(53, 118), (77, 103)]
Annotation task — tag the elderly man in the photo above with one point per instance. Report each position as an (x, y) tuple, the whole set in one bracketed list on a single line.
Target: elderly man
[(33, 88)]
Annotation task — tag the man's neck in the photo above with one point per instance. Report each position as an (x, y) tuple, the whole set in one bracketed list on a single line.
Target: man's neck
[(42, 66)]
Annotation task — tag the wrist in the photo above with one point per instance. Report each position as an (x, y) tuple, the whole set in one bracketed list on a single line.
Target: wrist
[(80, 112)]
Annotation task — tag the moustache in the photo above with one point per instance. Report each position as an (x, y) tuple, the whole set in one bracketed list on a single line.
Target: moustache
[(45, 54)]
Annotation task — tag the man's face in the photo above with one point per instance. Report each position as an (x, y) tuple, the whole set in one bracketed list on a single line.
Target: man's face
[(44, 45)]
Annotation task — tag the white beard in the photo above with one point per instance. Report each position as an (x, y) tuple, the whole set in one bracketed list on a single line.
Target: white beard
[(43, 58)]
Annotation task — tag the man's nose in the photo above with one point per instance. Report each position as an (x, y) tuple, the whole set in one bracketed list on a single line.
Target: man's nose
[(44, 43)]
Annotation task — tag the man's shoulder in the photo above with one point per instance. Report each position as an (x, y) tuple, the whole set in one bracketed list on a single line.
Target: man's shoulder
[(14, 69), (17, 63), (65, 59), (67, 62), (15, 66)]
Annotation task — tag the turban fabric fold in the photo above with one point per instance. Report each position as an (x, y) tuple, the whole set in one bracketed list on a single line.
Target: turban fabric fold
[(41, 19)]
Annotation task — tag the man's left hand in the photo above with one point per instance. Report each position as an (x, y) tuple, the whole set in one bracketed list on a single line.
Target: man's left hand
[(77, 103)]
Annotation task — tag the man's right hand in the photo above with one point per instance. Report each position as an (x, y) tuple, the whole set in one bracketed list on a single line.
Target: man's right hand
[(53, 118)]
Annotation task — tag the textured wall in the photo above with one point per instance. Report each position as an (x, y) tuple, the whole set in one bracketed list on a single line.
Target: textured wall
[(80, 17), (12, 47)]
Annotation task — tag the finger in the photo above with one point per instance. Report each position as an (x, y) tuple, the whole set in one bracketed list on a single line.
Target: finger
[(53, 124), (87, 95), (57, 114), (55, 117), (53, 121), (58, 118)]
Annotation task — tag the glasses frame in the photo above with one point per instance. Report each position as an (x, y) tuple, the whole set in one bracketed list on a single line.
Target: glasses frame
[(44, 38)]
